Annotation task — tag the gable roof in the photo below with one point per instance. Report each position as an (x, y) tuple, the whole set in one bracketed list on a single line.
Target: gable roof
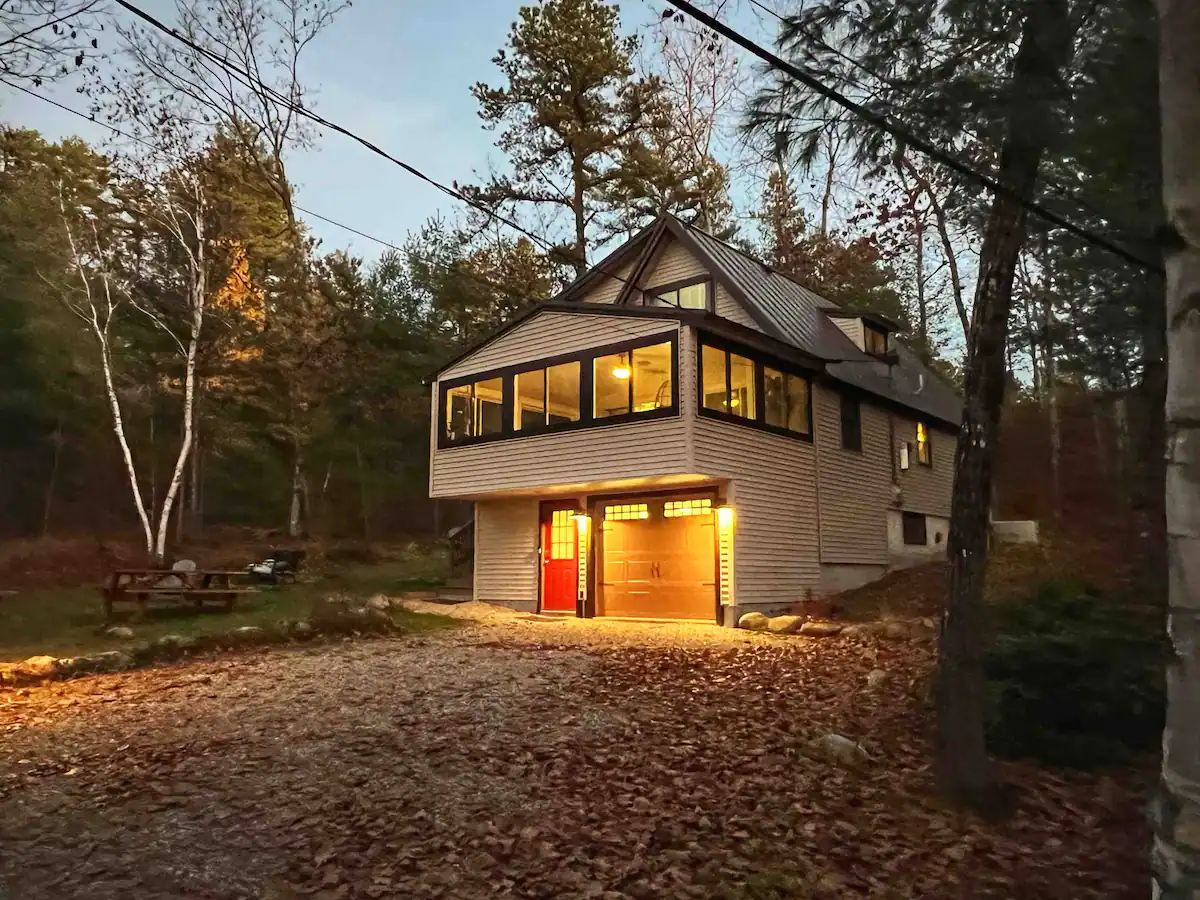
[(792, 313)]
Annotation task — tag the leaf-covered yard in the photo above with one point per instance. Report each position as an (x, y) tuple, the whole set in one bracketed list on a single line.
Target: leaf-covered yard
[(518, 758)]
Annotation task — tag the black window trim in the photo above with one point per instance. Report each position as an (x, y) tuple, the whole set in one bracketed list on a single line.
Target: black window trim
[(843, 398), (586, 359), (760, 361), (867, 326), (905, 518), (651, 294)]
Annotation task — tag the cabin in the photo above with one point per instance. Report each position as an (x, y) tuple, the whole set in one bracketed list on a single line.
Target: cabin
[(685, 433)]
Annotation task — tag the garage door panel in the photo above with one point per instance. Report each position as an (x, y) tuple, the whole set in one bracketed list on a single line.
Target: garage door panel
[(658, 568)]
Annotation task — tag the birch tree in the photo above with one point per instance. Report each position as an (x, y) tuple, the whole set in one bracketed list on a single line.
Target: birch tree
[(1176, 852)]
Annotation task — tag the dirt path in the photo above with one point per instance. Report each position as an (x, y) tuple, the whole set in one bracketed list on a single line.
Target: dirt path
[(518, 758)]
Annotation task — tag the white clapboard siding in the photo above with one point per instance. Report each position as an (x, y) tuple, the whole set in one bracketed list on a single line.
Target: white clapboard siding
[(506, 550), (674, 263), (552, 333), (774, 498), (856, 488), (608, 287), (927, 489), (730, 308), (853, 329)]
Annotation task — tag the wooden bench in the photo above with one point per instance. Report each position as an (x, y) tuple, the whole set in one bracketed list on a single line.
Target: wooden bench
[(142, 585)]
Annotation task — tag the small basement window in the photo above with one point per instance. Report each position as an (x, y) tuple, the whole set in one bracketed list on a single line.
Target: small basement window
[(915, 534)]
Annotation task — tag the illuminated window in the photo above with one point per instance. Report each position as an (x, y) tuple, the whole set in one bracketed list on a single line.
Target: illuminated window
[(626, 511), (632, 381), (786, 400), (563, 537), (728, 382), (924, 455), (741, 387), (713, 376), (475, 410), (546, 396), (676, 508), (691, 296)]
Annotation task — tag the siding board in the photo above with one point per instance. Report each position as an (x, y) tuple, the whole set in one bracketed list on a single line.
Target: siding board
[(608, 288), (729, 308), (506, 545), (674, 263), (773, 481), (552, 333), (856, 488)]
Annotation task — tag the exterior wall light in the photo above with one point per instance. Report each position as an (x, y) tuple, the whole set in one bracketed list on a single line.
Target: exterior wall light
[(725, 522), (583, 523)]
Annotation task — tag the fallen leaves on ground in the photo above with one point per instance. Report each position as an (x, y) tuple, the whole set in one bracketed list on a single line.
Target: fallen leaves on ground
[(529, 759)]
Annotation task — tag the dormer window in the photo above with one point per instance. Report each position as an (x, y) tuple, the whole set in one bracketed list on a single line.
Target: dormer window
[(875, 340), (691, 294)]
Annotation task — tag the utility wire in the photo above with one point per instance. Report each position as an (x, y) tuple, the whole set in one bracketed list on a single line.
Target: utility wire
[(1064, 192), (903, 134), (433, 263), (57, 21), (256, 84)]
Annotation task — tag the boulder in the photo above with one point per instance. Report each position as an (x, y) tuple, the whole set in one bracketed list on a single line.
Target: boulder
[(895, 630), (876, 678), (821, 629), (118, 631), (840, 750), (303, 629), (248, 633), (784, 624), (38, 666), (112, 661), (183, 565), (754, 621), (379, 602)]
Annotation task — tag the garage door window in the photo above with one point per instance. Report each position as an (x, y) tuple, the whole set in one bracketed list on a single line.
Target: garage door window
[(625, 512), (677, 508)]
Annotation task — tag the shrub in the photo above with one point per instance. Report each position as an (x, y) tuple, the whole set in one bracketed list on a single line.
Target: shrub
[(1075, 678)]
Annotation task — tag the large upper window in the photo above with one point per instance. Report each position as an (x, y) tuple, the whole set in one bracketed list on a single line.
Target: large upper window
[(637, 380), (786, 397), (475, 410), (592, 387), (736, 386), (548, 396), (685, 296)]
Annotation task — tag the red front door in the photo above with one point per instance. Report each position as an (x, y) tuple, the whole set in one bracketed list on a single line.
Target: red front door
[(560, 568)]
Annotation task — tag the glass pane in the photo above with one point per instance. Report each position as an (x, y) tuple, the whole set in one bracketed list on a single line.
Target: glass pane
[(694, 296), (529, 406), (741, 386), (876, 341), (489, 406), (669, 298), (458, 412), (610, 380), (797, 409), (776, 398), (563, 402), (651, 377), (713, 378)]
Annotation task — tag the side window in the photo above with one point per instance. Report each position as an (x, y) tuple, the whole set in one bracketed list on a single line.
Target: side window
[(737, 386), (475, 410), (924, 451), (637, 380), (786, 400), (851, 423), (687, 296), (547, 396)]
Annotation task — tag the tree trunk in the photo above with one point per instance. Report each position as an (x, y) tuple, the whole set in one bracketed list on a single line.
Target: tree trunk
[(964, 773), (922, 302), (52, 481), (578, 208), (296, 511), (1176, 853), (1050, 389)]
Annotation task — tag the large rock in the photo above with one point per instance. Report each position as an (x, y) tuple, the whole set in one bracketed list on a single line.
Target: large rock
[(876, 678), (820, 629), (112, 661), (118, 631), (785, 624), (38, 666), (379, 602), (840, 750), (754, 621)]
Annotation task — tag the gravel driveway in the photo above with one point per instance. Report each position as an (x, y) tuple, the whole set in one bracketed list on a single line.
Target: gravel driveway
[(520, 758)]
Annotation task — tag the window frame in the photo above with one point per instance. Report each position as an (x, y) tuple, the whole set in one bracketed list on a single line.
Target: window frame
[(920, 428), (855, 446), (651, 294), (586, 359), (875, 329), (760, 362)]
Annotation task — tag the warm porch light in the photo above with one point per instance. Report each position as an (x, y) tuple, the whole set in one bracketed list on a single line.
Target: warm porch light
[(725, 516), (582, 522), (621, 371)]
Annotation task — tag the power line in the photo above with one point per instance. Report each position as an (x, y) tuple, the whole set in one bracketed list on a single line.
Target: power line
[(445, 267), (254, 83), (903, 134), (57, 21), (1065, 193)]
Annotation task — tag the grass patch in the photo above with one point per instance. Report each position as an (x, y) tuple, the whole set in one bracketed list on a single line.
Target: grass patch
[(69, 621)]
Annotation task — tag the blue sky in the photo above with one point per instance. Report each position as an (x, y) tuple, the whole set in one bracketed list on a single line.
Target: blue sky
[(397, 72)]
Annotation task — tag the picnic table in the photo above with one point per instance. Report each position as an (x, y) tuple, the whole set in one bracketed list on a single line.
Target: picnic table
[(142, 585)]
